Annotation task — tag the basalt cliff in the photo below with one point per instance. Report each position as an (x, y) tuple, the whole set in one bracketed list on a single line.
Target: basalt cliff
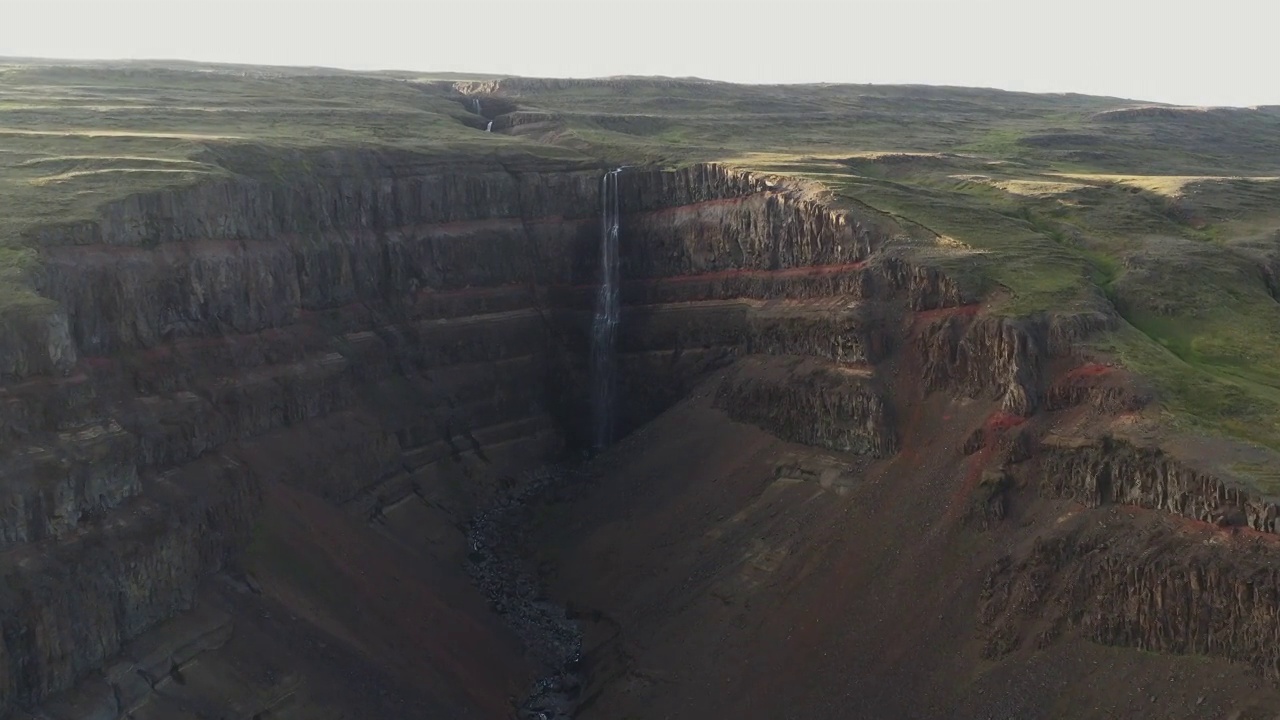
[(247, 439)]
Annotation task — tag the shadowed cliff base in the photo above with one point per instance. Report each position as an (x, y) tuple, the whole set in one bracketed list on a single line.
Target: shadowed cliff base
[(895, 444)]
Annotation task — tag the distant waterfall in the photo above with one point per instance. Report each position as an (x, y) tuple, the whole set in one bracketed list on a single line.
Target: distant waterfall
[(489, 127), (475, 105), (604, 326)]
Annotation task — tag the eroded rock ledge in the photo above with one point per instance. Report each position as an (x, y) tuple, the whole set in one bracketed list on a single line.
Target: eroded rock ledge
[(815, 403), (1115, 472), (1152, 588), (973, 355)]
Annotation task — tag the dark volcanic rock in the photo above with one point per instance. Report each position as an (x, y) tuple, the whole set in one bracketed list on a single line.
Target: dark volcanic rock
[(810, 402), (1117, 472), (1153, 589), (497, 540)]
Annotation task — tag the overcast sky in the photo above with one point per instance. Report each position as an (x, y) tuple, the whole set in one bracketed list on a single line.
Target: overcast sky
[(1223, 52)]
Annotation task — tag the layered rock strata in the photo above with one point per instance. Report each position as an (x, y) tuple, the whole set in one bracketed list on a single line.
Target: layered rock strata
[(356, 335), (1113, 472), (810, 402), (349, 335), (1156, 589)]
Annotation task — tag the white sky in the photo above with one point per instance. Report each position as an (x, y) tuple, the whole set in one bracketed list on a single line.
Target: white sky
[(1224, 52)]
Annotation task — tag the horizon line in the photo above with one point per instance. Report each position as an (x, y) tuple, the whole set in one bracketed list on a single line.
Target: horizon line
[(465, 75)]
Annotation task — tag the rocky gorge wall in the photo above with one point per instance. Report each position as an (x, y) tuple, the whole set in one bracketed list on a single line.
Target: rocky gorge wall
[(348, 336), (1124, 584), (355, 335), (339, 336), (1114, 472)]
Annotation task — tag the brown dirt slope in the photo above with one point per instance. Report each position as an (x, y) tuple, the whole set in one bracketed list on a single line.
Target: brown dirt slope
[(732, 574)]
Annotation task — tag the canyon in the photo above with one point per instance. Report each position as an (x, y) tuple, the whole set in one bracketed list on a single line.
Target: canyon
[(328, 444)]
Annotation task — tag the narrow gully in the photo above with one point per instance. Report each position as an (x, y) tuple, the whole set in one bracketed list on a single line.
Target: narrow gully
[(497, 566)]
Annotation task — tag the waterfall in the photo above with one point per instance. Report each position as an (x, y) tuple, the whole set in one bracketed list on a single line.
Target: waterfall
[(604, 325), (475, 103), (489, 127)]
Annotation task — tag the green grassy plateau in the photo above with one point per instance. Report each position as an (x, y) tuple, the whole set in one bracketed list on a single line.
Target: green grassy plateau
[(1065, 201)]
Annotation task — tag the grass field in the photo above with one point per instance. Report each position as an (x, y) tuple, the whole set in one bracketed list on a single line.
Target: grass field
[(1171, 214)]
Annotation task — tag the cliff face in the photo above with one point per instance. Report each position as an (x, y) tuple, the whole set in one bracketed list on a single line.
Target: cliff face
[(811, 403), (354, 338), (1130, 585), (1117, 473), (1010, 356), (750, 228), (392, 341), (343, 337)]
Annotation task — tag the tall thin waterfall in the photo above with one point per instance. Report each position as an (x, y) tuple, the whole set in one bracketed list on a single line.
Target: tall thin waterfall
[(475, 104), (604, 326)]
